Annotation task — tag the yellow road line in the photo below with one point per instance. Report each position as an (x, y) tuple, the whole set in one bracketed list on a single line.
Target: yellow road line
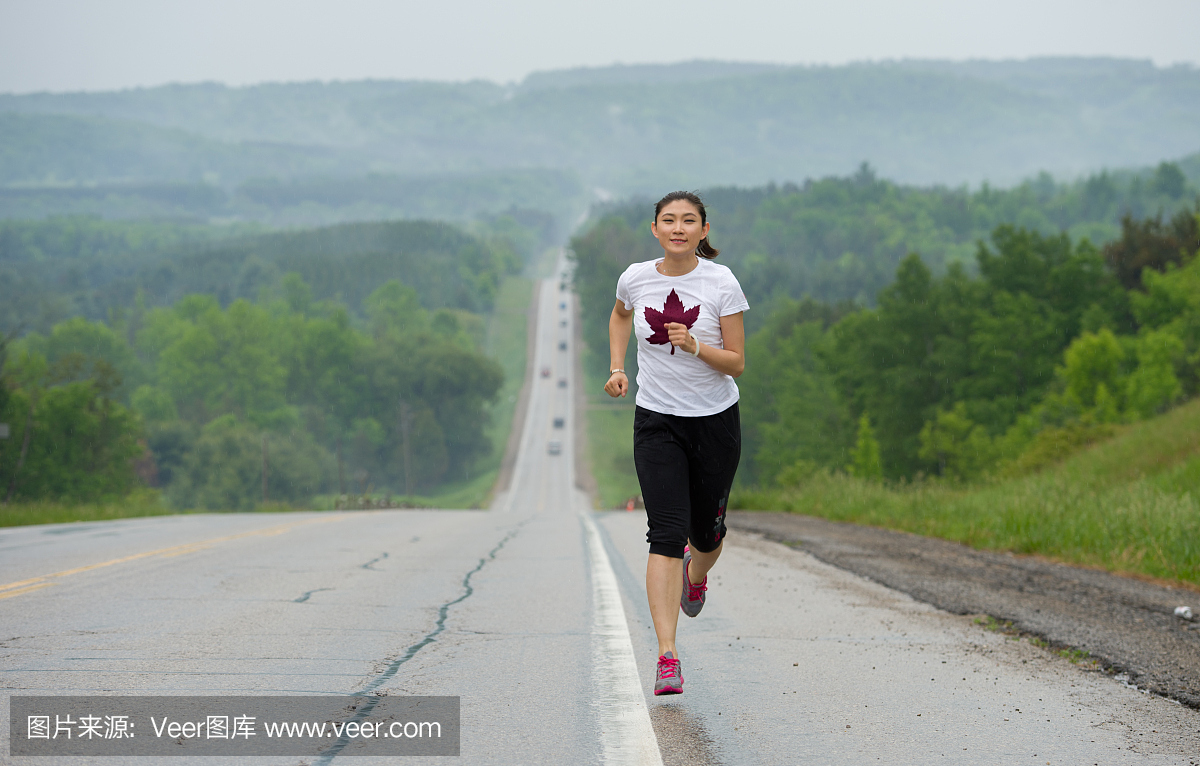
[(19, 591), (33, 583), (183, 551)]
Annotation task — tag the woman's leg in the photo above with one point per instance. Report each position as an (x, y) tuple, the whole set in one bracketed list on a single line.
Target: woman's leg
[(662, 468), (715, 443), (700, 564), (664, 586)]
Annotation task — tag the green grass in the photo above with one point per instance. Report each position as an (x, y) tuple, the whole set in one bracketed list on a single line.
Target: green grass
[(141, 503), (1130, 504), (610, 442), (543, 267)]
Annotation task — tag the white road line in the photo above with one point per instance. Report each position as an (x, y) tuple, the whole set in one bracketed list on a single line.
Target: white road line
[(624, 718), (627, 735)]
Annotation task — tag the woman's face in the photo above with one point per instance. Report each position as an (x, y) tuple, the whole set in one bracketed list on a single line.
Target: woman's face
[(678, 228)]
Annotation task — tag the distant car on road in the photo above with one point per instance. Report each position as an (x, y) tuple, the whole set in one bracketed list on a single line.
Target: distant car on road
[(562, 345), (554, 448), (545, 372), (563, 305), (562, 382), (560, 422)]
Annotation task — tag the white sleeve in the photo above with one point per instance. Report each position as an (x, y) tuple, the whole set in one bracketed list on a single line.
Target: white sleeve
[(623, 290), (732, 299)]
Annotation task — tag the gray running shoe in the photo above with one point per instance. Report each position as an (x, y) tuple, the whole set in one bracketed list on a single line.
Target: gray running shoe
[(668, 680), (691, 601)]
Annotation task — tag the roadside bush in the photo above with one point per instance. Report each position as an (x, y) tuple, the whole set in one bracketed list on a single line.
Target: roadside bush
[(82, 445), (223, 470)]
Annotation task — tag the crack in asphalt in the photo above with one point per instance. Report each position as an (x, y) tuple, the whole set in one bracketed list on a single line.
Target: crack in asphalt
[(308, 594), (364, 710), (371, 564)]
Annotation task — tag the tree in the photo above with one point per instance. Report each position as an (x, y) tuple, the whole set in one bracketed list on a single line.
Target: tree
[(438, 389), (75, 443), (1169, 180), (957, 447), (223, 470), (1172, 303), (4, 381), (222, 362), (1093, 364), (900, 362), (30, 373), (395, 308), (1170, 299), (1067, 279), (865, 461), (1153, 385), (1015, 343), (797, 414), (154, 405), (1152, 244)]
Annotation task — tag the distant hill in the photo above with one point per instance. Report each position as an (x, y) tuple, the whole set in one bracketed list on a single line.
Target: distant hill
[(644, 74), (923, 122), (314, 200)]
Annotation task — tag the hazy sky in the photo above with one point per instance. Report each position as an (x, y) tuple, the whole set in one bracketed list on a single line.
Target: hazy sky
[(105, 44)]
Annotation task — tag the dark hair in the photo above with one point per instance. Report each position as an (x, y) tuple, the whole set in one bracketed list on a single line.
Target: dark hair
[(704, 249)]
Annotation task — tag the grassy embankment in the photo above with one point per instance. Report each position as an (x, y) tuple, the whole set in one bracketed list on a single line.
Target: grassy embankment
[(1130, 504), (610, 441), (505, 342), (141, 503)]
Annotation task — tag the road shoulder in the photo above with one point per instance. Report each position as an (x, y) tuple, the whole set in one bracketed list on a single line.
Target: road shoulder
[(1127, 625)]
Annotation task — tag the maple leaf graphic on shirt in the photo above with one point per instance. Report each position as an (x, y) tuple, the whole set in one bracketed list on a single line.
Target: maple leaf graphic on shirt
[(673, 311)]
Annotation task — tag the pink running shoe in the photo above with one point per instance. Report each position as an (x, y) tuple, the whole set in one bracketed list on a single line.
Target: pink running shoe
[(670, 680), (691, 601)]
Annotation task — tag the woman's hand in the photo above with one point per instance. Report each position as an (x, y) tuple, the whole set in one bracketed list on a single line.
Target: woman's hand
[(681, 336), (617, 385), (730, 359), (620, 324)]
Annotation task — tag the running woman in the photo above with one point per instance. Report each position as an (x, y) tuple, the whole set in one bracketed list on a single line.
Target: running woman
[(687, 436)]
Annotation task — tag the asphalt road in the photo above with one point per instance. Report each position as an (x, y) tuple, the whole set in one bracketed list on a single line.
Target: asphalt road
[(534, 614), (1126, 626)]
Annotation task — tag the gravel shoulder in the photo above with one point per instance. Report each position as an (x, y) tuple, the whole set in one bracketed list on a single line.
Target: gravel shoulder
[(1127, 625)]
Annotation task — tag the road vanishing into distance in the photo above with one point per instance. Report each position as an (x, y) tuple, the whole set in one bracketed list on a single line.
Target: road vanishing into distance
[(533, 613)]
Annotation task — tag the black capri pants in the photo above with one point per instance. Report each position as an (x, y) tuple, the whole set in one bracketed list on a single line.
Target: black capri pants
[(685, 466)]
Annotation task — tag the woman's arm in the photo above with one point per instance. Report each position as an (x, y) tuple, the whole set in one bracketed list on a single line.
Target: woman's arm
[(620, 325), (730, 360)]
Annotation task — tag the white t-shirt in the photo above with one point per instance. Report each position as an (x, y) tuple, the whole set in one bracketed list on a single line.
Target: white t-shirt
[(679, 383)]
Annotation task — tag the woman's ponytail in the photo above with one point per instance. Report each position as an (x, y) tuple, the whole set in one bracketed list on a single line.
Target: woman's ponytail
[(705, 248)]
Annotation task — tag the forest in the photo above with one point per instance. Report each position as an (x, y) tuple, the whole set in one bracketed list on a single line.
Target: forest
[(898, 332), (305, 202), (194, 362), (60, 267)]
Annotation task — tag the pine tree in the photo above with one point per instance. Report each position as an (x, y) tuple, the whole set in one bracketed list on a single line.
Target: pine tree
[(865, 462)]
